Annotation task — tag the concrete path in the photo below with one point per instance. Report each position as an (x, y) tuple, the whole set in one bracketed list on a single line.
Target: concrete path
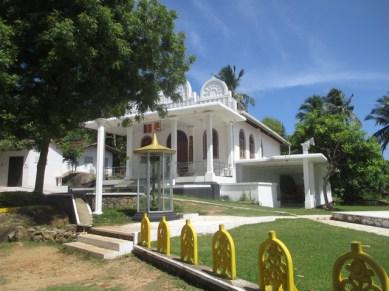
[(202, 224), (276, 212), (355, 226)]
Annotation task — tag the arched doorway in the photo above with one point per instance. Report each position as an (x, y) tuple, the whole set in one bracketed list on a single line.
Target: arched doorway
[(182, 152)]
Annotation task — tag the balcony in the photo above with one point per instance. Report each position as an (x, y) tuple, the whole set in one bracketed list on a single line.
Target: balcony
[(184, 169)]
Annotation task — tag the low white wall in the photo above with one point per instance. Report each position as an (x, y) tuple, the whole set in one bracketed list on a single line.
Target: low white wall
[(265, 194)]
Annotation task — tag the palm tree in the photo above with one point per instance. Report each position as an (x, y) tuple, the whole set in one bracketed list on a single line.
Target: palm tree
[(337, 103), (310, 104), (232, 79), (381, 116)]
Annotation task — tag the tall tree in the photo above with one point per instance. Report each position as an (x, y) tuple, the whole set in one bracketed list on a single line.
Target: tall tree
[(335, 102), (312, 103), (229, 75), (81, 60), (380, 114), (275, 125), (356, 168)]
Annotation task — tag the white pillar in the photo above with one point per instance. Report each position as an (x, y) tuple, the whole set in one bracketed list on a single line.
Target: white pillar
[(309, 184), (230, 141), (100, 168), (173, 134), (209, 175), (129, 152)]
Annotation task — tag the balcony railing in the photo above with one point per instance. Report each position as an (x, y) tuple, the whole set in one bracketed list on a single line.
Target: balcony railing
[(228, 101), (184, 169), (114, 173), (199, 168)]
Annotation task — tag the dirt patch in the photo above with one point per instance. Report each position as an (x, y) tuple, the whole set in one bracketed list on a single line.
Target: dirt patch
[(36, 267)]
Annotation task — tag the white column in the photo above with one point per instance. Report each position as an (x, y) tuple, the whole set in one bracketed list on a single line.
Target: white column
[(129, 152), (209, 175), (100, 167), (309, 184), (230, 141), (173, 134)]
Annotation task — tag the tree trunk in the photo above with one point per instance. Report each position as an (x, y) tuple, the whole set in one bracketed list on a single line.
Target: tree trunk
[(326, 179), (41, 167)]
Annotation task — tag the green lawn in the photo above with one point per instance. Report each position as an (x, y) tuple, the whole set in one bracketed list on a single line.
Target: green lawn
[(186, 204), (314, 247), (112, 216), (247, 208)]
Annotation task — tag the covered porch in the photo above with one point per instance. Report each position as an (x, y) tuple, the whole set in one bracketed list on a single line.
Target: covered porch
[(299, 178), (202, 136)]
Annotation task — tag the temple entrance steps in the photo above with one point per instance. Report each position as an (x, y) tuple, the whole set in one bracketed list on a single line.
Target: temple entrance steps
[(100, 246)]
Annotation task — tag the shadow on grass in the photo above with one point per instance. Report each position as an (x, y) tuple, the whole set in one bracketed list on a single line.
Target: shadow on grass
[(21, 198)]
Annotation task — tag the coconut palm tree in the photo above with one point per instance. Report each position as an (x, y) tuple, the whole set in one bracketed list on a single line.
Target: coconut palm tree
[(380, 114), (229, 75), (310, 104), (337, 103)]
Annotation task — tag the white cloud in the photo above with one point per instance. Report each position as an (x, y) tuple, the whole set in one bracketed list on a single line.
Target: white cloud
[(263, 82), (196, 42), (207, 12)]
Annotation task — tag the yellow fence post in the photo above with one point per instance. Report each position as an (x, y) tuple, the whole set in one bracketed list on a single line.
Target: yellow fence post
[(223, 253), (361, 270), (275, 265), (145, 232), (163, 242), (189, 244)]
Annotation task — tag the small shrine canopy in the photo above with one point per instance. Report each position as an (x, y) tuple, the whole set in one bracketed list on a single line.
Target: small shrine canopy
[(154, 148)]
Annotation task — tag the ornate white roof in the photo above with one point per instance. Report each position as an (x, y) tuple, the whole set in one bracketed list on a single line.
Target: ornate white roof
[(214, 88), (184, 90)]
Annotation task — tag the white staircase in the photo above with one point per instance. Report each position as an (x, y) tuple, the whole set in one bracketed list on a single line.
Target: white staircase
[(101, 246)]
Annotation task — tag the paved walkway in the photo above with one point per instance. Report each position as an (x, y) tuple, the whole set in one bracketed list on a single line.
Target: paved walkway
[(232, 206), (355, 226), (202, 224)]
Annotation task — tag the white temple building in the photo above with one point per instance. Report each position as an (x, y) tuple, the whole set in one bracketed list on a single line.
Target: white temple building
[(221, 151)]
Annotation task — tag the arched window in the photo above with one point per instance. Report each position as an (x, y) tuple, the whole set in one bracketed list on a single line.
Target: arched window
[(146, 140), (251, 146), (215, 141), (242, 144)]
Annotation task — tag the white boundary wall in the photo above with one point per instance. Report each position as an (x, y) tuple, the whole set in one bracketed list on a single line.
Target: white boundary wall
[(265, 194)]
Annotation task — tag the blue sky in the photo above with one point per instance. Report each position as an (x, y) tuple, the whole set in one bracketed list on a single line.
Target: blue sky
[(291, 50)]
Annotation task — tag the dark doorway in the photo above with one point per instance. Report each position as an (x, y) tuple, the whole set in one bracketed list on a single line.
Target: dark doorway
[(291, 194), (182, 152), (15, 171)]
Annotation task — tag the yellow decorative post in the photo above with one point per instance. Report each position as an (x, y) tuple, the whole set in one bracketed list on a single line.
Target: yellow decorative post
[(145, 232), (189, 244), (163, 242), (223, 253), (275, 265), (361, 269)]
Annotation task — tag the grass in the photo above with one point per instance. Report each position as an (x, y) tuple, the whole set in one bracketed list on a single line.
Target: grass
[(248, 208), (314, 247), (112, 216), (186, 204)]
